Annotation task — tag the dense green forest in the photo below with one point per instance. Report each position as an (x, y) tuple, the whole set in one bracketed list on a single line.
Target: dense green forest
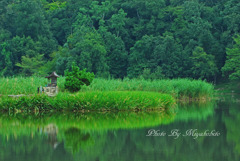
[(121, 38)]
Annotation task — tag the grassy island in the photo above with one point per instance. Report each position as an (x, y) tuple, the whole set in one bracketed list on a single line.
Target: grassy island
[(182, 89), (103, 94), (104, 101)]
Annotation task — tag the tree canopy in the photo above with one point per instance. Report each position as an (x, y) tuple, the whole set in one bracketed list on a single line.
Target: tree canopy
[(232, 65), (118, 38)]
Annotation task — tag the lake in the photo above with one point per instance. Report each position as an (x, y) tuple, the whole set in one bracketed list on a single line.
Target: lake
[(200, 131)]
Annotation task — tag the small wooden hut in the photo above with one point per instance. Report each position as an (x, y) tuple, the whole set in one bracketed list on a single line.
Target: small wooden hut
[(53, 77)]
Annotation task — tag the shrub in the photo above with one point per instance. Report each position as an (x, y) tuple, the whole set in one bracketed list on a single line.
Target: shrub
[(77, 78)]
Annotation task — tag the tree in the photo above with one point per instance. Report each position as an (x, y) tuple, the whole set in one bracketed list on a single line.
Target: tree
[(148, 75), (31, 65), (116, 55), (88, 49), (118, 21), (25, 48), (141, 56), (77, 78), (53, 5), (117, 38), (168, 55), (204, 66), (232, 64), (29, 18), (6, 65)]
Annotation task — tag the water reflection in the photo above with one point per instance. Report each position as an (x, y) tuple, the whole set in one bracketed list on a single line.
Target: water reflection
[(195, 111), (51, 130), (122, 136)]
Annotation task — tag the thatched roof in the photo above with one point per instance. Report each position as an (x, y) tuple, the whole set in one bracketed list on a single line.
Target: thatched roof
[(54, 74)]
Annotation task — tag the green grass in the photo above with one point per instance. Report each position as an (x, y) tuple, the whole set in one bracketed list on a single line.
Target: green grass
[(179, 88), (103, 94), (24, 85), (112, 100)]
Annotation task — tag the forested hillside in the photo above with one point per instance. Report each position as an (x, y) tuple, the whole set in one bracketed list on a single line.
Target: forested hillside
[(121, 38)]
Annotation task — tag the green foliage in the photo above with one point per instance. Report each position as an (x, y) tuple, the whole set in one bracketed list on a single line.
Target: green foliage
[(195, 111), (6, 65), (77, 78), (116, 55), (29, 17), (25, 85), (231, 121), (120, 27), (232, 65), (31, 65), (168, 55), (141, 56), (179, 88), (127, 132), (156, 53), (98, 121), (148, 75), (53, 5), (76, 140), (203, 64), (120, 38), (115, 100), (118, 22)]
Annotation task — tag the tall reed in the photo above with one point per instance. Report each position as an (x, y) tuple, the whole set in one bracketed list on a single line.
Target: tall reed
[(112, 100), (179, 88), (24, 85)]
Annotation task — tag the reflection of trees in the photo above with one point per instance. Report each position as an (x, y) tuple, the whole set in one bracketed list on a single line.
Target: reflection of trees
[(83, 137), (195, 111), (232, 120), (121, 120), (135, 146), (85, 143), (75, 139), (24, 148), (131, 145), (84, 121)]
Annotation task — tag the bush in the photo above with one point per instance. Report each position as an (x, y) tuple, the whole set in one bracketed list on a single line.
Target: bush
[(77, 78)]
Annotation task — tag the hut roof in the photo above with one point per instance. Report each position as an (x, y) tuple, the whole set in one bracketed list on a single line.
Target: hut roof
[(54, 74)]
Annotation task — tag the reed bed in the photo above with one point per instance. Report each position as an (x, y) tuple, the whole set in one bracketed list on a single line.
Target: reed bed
[(178, 88), (24, 85), (183, 89), (96, 100)]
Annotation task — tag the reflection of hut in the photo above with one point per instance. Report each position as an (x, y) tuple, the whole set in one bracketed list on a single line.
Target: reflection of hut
[(53, 78), (51, 130), (51, 89)]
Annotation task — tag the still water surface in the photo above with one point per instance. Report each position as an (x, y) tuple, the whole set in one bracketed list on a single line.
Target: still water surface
[(122, 136)]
